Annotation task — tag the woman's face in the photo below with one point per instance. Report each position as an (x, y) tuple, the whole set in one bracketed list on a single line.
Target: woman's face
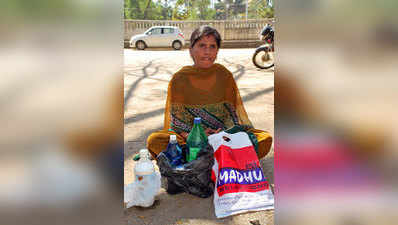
[(204, 52)]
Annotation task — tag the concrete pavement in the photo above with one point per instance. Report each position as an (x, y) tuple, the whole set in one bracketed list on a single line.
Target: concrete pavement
[(146, 76)]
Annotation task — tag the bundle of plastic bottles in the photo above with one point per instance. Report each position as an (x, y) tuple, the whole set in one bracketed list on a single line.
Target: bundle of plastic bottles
[(187, 168)]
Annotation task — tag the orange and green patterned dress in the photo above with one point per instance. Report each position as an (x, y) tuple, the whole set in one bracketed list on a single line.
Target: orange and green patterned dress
[(211, 94)]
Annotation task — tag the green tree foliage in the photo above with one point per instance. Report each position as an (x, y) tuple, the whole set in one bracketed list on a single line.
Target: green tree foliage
[(205, 12), (182, 9), (260, 9), (230, 9), (196, 9), (148, 9), (38, 9), (193, 10), (236, 9), (167, 9), (221, 10)]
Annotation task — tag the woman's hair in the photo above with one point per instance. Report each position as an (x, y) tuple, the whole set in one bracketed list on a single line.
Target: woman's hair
[(203, 31)]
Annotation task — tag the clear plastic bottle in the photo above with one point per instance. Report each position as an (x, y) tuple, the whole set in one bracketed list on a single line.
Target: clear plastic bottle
[(173, 152), (196, 140), (144, 166), (146, 185)]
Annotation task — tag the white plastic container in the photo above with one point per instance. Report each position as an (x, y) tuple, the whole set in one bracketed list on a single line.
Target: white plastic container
[(143, 190)]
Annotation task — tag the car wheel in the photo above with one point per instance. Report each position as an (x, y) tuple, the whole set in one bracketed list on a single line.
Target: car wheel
[(177, 45), (140, 45)]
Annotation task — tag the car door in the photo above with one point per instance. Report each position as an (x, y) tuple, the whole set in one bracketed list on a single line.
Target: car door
[(168, 34), (157, 37), (153, 37)]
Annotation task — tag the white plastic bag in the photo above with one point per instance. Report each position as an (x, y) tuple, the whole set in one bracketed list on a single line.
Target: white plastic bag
[(142, 192), (147, 183), (240, 185)]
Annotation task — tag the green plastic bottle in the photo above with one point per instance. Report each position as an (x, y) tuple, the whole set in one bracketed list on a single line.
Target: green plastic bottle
[(196, 140)]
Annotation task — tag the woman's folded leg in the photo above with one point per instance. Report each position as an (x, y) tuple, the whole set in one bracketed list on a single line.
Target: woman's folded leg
[(157, 141)]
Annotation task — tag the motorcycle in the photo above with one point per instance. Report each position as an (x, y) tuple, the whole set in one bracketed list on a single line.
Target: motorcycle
[(263, 57)]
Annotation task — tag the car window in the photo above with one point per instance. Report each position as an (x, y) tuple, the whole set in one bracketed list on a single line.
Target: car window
[(168, 30), (155, 31)]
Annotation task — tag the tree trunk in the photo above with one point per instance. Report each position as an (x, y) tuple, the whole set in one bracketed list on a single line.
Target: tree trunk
[(146, 9)]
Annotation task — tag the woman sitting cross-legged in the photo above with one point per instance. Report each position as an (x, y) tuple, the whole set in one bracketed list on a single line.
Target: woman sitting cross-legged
[(207, 90)]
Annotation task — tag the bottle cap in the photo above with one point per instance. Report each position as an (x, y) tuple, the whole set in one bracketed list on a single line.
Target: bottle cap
[(173, 138), (197, 120), (144, 153)]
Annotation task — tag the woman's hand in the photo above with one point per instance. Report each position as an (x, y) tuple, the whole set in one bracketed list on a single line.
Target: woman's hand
[(210, 131)]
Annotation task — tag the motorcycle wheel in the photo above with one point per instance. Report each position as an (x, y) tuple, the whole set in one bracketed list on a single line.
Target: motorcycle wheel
[(263, 58)]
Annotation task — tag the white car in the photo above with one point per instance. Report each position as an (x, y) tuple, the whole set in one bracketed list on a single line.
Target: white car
[(159, 36)]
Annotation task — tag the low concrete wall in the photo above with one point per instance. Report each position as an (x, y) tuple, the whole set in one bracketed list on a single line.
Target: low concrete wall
[(239, 30), (224, 44)]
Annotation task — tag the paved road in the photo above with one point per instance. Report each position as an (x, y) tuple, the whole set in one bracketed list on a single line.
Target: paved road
[(146, 76)]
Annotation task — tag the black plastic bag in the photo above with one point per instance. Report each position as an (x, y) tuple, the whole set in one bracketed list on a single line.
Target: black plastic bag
[(194, 178)]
